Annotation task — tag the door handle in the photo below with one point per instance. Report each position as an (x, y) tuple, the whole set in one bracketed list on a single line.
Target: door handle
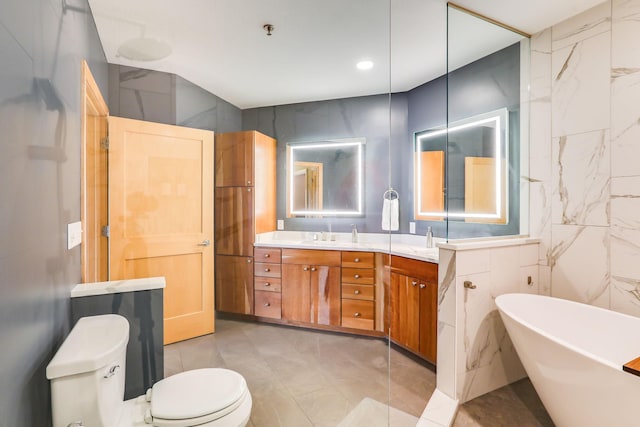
[(205, 243)]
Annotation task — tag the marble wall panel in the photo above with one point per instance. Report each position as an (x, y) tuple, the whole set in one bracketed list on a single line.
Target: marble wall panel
[(580, 82), (587, 24), (625, 30), (625, 228), (581, 171), (580, 264), (625, 123)]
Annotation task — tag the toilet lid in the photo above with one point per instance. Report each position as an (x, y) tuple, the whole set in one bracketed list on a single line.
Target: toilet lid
[(196, 393)]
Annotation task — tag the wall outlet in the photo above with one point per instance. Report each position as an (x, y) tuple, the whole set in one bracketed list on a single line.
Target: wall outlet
[(281, 224), (74, 234), (412, 227)]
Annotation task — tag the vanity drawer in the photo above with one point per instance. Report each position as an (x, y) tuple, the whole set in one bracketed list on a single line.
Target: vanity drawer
[(357, 314), (268, 304), (311, 257), (265, 269), (364, 292), (358, 275), (267, 255), (268, 284), (357, 259)]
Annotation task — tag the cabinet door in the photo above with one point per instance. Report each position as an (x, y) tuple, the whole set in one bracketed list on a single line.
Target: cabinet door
[(428, 320), (233, 219), (405, 311), (296, 295), (234, 159), (234, 284), (326, 297)]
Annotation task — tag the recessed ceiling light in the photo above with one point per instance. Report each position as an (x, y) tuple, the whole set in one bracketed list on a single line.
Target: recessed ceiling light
[(364, 65), (144, 49)]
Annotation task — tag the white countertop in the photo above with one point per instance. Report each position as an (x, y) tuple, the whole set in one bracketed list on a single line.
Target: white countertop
[(117, 286), (406, 245)]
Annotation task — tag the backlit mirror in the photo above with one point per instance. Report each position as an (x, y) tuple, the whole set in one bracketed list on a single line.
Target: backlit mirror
[(325, 178), (477, 154)]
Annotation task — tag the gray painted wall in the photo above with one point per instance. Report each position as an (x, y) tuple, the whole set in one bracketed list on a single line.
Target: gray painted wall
[(41, 46), (154, 96)]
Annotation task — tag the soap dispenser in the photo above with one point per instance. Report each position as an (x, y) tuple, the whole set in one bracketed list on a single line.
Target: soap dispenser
[(354, 233), (429, 238)]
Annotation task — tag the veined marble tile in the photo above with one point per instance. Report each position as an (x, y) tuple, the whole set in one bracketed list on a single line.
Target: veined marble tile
[(528, 255), (625, 32), (582, 26), (540, 77), (447, 287), (446, 373), (541, 42), (580, 264), (625, 295), (581, 171), (505, 269), (625, 227), (473, 261), (540, 217), (544, 277), (625, 125), (581, 86), (527, 286), (540, 140)]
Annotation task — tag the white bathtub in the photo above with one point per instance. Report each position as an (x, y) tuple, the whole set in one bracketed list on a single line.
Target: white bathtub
[(573, 354)]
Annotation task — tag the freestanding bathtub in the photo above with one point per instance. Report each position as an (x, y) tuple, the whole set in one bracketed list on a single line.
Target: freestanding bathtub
[(573, 354)]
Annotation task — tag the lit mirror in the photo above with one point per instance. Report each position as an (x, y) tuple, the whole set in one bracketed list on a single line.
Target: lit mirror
[(477, 156), (325, 178)]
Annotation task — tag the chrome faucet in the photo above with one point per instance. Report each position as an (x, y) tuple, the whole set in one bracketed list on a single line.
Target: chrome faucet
[(354, 233)]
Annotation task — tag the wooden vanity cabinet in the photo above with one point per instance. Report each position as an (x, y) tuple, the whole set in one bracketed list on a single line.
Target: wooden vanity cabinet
[(358, 290), (268, 282), (311, 286), (245, 200), (414, 307)]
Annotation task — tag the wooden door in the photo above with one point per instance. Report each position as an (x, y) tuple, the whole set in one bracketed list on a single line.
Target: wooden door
[(161, 217), (234, 159), (405, 306), (325, 295), (296, 292), (234, 284), (428, 319), (234, 221)]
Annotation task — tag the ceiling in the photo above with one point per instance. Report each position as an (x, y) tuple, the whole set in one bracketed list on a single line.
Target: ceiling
[(221, 45)]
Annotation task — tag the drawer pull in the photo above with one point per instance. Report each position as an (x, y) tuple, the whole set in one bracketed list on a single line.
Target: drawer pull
[(248, 261), (422, 286), (313, 269), (356, 314), (305, 268), (357, 276), (357, 292), (413, 283), (267, 284), (267, 269), (356, 260), (267, 255), (267, 304)]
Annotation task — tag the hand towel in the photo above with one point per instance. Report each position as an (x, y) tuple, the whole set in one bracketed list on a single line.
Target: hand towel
[(390, 214)]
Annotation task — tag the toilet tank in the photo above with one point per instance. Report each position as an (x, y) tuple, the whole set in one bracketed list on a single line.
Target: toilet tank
[(88, 371)]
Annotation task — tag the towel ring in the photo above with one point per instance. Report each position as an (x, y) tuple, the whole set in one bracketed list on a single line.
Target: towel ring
[(391, 194)]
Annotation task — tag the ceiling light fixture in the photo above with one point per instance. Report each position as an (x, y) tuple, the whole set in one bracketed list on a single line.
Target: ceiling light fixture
[(144, 49), (364, 65), (268, 28)]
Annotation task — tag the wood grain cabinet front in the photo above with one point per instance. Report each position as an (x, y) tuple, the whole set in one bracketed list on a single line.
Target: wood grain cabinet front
[(268, 282), (358, 290), (268, 304)]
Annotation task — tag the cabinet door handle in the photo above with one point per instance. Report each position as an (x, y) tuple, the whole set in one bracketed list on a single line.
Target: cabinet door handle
[(356, 260), (267, 255), (422, 286), (248, 261), (414, 283), (357, 276), (267, 269), (248, 190), (266, 304), (305, 268), (267, 284), (357, 292), (356, 314), (313, 269), (248, 182)]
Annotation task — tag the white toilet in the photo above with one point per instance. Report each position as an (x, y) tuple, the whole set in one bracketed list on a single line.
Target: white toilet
[(87, 386)]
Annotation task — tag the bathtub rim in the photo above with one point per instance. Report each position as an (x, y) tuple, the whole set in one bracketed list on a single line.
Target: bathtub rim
[(572, 347)]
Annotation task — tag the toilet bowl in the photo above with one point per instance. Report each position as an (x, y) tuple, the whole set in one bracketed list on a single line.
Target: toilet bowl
[(87, 386)]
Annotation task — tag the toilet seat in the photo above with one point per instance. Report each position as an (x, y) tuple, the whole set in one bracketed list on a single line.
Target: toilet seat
[(195, 397)]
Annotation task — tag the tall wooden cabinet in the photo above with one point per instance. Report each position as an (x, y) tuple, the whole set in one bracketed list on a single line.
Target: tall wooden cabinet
[(413, 316), (245, 205)]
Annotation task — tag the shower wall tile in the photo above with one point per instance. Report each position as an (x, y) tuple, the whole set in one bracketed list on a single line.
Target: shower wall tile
[(540, 140), (581, 170), (580, 264), (540, 77), (625, 227), (625, 126), (582, 26), (446, 373), (147, 106), (625, 31), (540, 226), (447, 287), (146, 80), (625, 295), (528, 280), (544, 278), (580, 86)]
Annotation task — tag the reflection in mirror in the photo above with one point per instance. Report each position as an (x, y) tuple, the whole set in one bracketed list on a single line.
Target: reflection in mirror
[(477, 156), (325, 178)]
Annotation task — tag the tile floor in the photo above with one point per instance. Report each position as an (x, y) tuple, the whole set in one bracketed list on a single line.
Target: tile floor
[(301, 378)]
